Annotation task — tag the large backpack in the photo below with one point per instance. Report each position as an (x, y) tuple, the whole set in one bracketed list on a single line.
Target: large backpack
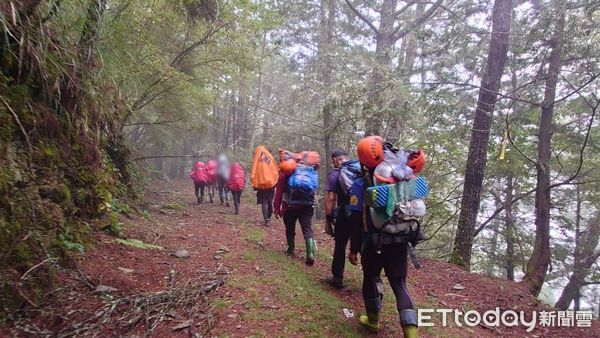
[(265, 172), (349, 171), (199, 173), (302, 186), (237, 179), (211, 170), (309, 158)]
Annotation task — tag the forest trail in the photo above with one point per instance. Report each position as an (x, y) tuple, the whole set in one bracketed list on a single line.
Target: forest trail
[(238, 282)]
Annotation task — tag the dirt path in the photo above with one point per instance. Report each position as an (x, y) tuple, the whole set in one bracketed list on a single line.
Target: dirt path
[(238, 282)]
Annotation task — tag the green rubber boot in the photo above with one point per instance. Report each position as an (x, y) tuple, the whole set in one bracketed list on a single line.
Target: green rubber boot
[(408, 320), (310, 251), (410, 331), (370, 321)]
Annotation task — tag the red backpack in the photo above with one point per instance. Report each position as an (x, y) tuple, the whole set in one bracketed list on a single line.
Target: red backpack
[(211, 170), (237, 179), (199, 174)]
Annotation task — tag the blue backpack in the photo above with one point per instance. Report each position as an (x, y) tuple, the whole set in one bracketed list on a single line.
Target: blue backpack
[(349, 171), (302, 186)]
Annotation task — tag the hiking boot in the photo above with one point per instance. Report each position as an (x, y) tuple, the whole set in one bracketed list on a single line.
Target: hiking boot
[(227, 205), (335, 282), (199, 200), (267, 222), (408, 320), (310, 251), (370, 321), (291, 246)]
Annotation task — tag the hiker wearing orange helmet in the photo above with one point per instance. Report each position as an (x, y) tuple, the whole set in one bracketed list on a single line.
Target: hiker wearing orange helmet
[(383, 248), (370, 151)]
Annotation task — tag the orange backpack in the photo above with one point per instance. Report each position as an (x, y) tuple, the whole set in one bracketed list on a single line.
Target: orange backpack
[(265, 172), (309, 158)]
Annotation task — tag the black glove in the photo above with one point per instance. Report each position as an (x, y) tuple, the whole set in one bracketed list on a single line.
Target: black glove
[(330, 219), (329, 223)]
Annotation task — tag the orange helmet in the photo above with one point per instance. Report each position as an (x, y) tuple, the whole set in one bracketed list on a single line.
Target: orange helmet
[(288, 166), (370, 151), (416, 161)]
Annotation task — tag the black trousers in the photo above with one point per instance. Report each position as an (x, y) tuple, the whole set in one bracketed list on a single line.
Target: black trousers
[(341, 236), (223, 190), (264, 197), (199, 187), (393, 259), (211, 191), (304, 215), (236, 200)]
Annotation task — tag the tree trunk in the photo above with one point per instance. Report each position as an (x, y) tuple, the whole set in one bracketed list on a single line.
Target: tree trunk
[(265, 125), (259, 85), (584, 256), (410, 48), (583, 265), (540, 259), (509, 229), (577, 251), (327, 21), (383, 58), (476, 162), (492, 254)]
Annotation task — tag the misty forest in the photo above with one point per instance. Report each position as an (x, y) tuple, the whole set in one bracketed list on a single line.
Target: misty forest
[(105, 106)]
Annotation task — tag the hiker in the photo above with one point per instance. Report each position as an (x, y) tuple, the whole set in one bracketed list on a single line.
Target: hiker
[(200, 178), (337, 216), (235, 184), (264, 177), (211, 172), (298, 182), (384, 244), (223, 172)]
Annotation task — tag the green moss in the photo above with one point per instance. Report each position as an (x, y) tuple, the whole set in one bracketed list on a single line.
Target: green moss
[(138, 244), (173, 206)]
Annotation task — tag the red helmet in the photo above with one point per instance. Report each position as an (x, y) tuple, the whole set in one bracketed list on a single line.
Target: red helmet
[(416, 161), (370, 151)]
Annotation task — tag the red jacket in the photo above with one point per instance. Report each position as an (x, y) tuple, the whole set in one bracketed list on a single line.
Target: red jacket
[(279, 205)]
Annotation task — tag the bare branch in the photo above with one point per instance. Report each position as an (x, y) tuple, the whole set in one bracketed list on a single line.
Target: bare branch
[(399, 33), (363, 18), (576, 91), (507, 96), (584, 145), (404, 9), (172, 156), (151, 123), (284, 115), (177, 60)]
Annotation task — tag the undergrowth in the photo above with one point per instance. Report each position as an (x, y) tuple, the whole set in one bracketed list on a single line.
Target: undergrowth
[(66, 170)]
